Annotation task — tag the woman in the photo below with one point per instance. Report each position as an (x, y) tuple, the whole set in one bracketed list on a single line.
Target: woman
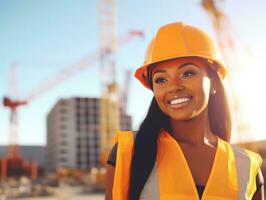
[(182, 149)]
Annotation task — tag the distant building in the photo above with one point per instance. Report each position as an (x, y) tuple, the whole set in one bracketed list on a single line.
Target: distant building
[(73, 133), (27, 152)]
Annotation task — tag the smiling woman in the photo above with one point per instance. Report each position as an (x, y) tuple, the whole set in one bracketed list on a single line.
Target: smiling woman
[(182, 149), (181, 83)]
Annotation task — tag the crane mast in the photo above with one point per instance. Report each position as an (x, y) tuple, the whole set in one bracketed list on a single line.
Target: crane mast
[(13, 103), (109, 99)]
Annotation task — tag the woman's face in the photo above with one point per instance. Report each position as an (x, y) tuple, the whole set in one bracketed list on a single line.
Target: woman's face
[(181, 87)]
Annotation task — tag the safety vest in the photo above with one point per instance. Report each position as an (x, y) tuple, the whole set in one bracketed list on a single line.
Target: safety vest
[(232, 177)]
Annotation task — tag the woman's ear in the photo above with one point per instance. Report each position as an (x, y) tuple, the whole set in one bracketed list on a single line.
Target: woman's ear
[(213, 88)]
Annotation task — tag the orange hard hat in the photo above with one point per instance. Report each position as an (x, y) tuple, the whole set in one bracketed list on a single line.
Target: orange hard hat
[(179, 40)]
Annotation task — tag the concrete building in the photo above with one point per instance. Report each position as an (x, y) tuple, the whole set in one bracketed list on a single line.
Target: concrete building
[(73, 133)]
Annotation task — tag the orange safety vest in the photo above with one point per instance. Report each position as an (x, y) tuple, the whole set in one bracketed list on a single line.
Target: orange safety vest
[(232, 177)]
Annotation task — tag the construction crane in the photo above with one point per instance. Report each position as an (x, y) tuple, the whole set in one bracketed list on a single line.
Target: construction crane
[(14, 164), (222, 27), (112, 102), (109, 99), (227, 43), (13, 150), (14, 103), (125, 91)]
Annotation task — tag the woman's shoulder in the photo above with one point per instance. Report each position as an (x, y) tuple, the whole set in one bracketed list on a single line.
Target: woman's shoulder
[(244, 153), (122, 135), (241, 154), (111, 160), (245, 157), (113, 153)]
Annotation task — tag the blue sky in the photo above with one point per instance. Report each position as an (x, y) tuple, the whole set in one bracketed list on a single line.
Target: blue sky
[(43, 37)]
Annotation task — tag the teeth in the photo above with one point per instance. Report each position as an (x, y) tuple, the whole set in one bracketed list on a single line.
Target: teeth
[(180, 100)]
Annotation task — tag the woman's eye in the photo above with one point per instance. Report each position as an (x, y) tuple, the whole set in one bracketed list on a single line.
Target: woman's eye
[(189, 73), (160, 80)]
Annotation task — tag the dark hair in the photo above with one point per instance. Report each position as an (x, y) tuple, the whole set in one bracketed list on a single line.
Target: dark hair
[(143, 158), (219, 110)]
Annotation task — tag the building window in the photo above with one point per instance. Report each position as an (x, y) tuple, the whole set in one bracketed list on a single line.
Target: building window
[(63, 127), (63, 135), (63, 118), (77, 107), (63, 151), (63, 111), (96, 118), (63, 159), (95, 101), (63, 143), (95, 142)]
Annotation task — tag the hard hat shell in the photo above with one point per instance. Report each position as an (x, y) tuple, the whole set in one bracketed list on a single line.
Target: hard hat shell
[(179, 40)]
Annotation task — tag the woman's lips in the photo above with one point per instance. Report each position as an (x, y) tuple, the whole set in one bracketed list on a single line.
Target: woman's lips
[(177, 102)]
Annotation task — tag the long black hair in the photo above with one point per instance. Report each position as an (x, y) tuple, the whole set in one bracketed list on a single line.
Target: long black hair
[(145, 149), (145, 146)]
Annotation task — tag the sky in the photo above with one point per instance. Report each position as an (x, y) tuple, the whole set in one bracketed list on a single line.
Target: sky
[(43, 37)]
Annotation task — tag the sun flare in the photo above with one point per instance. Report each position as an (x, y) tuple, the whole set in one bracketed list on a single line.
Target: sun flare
[(251, 94)]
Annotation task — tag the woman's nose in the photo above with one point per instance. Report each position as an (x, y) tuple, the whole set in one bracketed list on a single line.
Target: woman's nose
[(176, 87)]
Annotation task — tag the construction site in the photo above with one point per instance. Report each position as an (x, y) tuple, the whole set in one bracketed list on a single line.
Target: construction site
[(80, 129)]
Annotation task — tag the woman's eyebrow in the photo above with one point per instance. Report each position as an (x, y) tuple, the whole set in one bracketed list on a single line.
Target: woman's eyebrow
[(159, 71), (179, 67), (186, 64)]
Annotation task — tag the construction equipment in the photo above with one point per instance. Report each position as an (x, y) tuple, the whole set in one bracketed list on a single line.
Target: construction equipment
[(109, 105), (13, 164), (227, 43), (14, 103), (223, 29), (112, 101)]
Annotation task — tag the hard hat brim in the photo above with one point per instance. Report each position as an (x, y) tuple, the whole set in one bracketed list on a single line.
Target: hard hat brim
[(142, 72)]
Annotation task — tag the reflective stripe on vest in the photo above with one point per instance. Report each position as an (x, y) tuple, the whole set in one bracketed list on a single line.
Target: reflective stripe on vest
[(247, 164), (243, 176), (233, 174)]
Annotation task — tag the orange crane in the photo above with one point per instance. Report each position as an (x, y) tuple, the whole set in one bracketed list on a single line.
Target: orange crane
[(13, 103), (222, 27), (112, 101), (227, 42), (110, 104), (14, 164), (13, 151)]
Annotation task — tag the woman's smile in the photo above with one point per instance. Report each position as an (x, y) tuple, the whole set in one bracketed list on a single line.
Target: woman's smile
[(178, 102)]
